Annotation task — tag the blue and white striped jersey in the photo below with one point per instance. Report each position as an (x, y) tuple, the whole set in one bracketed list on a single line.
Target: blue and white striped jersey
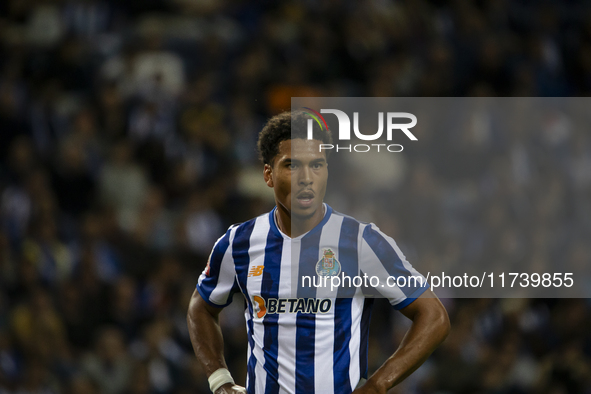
[(305, 339)]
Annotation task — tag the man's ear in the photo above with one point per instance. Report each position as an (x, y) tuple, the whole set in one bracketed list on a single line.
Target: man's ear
[(268, 175)]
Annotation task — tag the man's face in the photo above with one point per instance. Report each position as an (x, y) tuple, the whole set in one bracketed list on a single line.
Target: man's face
[(298, 177)]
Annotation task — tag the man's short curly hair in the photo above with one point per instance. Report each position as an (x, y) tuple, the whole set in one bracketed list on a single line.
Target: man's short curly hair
[(286, 126)]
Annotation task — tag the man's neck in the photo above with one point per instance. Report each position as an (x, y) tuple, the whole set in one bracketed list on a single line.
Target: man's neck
[(294, 227)]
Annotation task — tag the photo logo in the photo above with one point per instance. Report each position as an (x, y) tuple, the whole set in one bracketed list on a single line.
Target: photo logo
[(344, 132), (317, 117)]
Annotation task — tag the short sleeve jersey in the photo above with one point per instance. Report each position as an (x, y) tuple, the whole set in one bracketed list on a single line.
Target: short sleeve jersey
[(305, 336)]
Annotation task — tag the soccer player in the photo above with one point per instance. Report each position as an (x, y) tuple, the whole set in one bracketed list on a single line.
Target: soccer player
[(298, 343)]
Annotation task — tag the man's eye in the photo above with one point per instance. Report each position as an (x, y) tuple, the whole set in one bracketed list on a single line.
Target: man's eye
[(317, 166), (291, 166)]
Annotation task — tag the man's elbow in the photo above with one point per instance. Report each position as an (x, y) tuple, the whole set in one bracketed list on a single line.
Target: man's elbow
[(442, 323)]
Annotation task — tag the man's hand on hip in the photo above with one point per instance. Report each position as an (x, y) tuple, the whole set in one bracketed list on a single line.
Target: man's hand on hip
[(369, 388), (229, 388)]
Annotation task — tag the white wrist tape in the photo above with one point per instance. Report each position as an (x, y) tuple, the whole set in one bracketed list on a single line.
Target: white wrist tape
[(219, 378)]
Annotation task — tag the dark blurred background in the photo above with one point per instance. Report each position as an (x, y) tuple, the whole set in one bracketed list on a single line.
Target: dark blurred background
[(127, 146)]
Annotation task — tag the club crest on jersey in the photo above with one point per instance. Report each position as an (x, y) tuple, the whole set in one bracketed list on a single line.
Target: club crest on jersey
[(328, 265)]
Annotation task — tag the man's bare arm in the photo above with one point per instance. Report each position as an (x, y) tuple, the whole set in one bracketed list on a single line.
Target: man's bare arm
[(207, 340), (430, 326)]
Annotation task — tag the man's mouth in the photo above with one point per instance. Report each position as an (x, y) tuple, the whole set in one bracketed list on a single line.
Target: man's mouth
[(305, 198)]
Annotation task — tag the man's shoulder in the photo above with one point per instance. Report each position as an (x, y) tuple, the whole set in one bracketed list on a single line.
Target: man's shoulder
[(247, 226), (349, 217), (367, 230)]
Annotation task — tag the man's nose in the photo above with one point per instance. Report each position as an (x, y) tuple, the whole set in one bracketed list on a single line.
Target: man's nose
[(305, 177)]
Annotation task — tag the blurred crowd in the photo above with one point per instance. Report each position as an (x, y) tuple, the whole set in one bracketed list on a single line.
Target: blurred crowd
[(127, 146)]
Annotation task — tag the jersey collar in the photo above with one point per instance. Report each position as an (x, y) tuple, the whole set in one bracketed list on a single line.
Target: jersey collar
[(276, 231)]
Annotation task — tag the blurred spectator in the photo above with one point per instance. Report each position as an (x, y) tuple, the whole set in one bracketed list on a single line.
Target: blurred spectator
[(158, 73), (38, 329), (75, 188), (11, 366), (163, 357), (123, 185), (124, 307), (109, 366), (51, 257), (154, 222), (21, 158), (38, 379), (202, 223), (104, 257), (80, 384)]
